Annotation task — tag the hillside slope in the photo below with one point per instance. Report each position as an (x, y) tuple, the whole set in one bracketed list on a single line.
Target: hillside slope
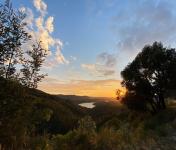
[(64, 116)]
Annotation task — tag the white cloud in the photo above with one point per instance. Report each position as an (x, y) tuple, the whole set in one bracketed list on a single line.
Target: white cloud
[(59, 56), (40, 6), (41, 28), (39, 22), (49, 24)]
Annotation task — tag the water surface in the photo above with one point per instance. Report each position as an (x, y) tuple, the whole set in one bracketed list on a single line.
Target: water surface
[(87, 105)]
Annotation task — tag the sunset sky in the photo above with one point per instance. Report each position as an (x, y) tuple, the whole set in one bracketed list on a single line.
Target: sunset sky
[(91, 41)]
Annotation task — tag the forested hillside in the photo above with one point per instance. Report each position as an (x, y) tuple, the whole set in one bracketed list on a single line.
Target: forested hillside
[(32, 119)]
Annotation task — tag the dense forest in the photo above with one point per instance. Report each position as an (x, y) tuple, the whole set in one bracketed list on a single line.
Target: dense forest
[(143, 118)]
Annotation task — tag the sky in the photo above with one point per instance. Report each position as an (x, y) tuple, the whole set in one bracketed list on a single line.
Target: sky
[(90, 41)]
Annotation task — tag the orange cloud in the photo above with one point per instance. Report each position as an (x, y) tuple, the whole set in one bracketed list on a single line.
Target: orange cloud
[(95, 88)]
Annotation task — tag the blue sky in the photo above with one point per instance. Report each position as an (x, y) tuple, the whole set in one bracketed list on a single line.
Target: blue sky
[(97, 38)]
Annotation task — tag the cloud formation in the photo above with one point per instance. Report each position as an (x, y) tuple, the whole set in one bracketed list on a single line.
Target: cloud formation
[(144, 22), (41, 28), (105, 65), (40, 6), (49, 24)]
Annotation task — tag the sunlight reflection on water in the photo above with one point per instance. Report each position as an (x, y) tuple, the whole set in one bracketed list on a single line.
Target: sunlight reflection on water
[(87, 105)]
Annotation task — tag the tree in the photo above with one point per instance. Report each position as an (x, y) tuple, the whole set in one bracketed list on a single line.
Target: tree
[(13, 58), (32, 66), (12, 36), (149, 77), (20, 114), (120, 93)]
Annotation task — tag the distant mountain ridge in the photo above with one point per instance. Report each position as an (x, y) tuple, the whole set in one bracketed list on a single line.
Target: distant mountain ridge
[(80, 99)]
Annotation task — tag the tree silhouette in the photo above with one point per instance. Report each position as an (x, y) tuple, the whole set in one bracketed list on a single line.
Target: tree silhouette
[(31, 66), (149, 77), (12, 36), (14, 63)]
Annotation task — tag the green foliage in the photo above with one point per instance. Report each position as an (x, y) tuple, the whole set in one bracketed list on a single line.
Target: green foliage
[(149, 77), (40, 143), (28, 113), (16, 62), (12, 36), (30, 118), (129, 135), (86, 125), (81, 138), (63, 142), (14, 111), (107, 139), (114, 123), (17, 122)]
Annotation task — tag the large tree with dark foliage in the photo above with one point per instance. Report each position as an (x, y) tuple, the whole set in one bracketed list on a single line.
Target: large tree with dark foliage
[(149, 77)]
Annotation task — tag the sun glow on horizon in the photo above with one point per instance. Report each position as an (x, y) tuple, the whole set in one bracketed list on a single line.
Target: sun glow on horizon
[(93, 88), (120, 93)]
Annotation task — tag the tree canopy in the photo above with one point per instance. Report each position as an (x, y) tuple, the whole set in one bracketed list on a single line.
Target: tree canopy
[(149, 77), (18, 62)]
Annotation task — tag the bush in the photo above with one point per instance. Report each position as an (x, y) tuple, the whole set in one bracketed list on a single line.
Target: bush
[(40, 143), (107, 139), (81, 138)]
